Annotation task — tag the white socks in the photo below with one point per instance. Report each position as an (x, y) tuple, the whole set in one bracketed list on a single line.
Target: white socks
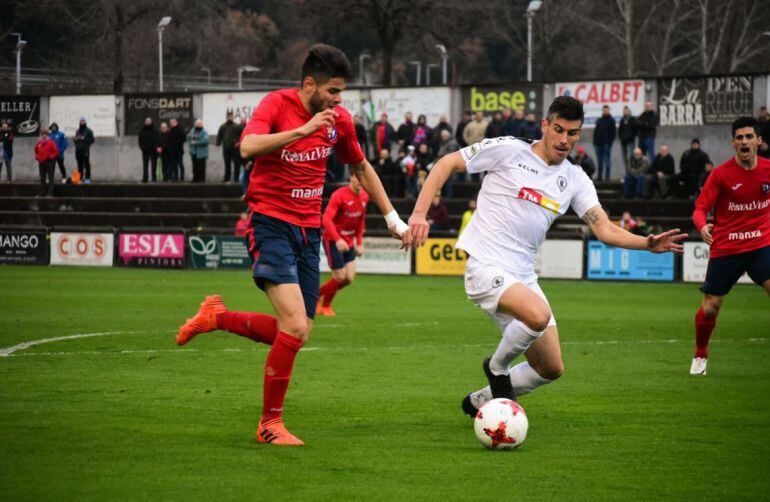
[(523, 378), (517, 338)]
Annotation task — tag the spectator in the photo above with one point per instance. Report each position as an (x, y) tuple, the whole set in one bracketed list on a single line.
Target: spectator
[(242, 225), (692, 165), (585, 161), (176, 141), (438, 214), (764, 124), (421, 132), (84, 138), (460, 129), (638, 167), (530, 129), (435, 135), (517, 122), (383, 133), (627, 134), (6, 145), (496, 126), (423, 162), (389, 173), (245, 177), (764, 150), (229, 137), (447, 145), (167, 154), (407, 164), (662, 172), (633, 225), (507, 122), (474, 131), (468, 214), (148, 144), (198, 144), (646, 125), (46, 154), (604, 135), (363, 142), (60, 139), (406, 131), (240, 125)]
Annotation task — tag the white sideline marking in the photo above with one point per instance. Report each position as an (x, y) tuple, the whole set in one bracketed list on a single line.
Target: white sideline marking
[(24, 345), (311, 349)]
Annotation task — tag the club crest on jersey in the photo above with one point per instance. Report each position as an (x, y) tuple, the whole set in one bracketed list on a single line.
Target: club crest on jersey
[(331, 134), (498, 281), (561, 181), (765, 187)]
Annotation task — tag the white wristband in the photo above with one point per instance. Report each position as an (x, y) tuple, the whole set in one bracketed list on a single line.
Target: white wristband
[(392, 218)]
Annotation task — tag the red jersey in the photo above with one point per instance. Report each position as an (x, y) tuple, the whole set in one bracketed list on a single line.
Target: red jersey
[(46, 150), (344, 216), (741, 203), (288, 183)]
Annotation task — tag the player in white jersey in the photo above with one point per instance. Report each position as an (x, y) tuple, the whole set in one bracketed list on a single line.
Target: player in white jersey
[(527, 186)]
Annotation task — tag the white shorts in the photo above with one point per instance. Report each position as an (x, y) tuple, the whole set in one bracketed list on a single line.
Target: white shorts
[(485, 284)]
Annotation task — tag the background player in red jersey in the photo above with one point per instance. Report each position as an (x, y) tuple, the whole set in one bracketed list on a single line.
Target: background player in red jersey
[(343, 240), (738, 192), (290, 135)]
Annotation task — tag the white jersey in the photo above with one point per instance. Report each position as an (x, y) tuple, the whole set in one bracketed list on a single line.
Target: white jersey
[(520, 198)]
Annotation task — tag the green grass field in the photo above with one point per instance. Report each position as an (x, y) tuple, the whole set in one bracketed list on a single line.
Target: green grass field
[(375, 396)]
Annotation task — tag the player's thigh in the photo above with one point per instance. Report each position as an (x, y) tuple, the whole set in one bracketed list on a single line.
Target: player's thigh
[(758, 267), (544, 355), (525, 305), (339, 274), (289, 305)]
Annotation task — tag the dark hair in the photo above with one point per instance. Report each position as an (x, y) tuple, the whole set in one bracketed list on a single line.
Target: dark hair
[(324, 62), (742, 122), (566, 107)]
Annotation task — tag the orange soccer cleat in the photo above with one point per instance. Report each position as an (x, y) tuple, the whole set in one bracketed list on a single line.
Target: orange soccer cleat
[(328, 311), (204, 321), (319, 308), (274, 432)]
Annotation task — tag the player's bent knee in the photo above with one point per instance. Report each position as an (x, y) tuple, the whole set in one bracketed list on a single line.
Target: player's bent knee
[(296, 326), (538, 320), (552, 371)]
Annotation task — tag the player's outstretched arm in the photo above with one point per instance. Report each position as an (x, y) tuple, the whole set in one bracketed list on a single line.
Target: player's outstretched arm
[(371, 183), (254, 145), (613, 235), (442, 170)]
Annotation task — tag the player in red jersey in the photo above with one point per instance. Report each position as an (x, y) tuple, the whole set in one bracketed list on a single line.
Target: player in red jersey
[(343, 240), (738, 192), (290, 136)]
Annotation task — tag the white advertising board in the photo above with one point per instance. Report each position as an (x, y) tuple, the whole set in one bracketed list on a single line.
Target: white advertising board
[(431, 101), (614, 93), (560, 259), (84, 249), (382, 255), (695, 263), (242, 104), (99, 112)]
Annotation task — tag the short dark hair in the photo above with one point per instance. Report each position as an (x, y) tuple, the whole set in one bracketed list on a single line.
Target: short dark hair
[(567, 108), (742, 122), (324, 62)]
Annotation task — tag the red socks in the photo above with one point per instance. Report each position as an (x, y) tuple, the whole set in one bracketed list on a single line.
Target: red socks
[(278, 369), (703, 328), (329, 289), (261, 328)]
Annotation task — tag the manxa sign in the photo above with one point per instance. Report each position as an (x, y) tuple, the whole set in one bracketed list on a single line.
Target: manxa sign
[(152, 250)]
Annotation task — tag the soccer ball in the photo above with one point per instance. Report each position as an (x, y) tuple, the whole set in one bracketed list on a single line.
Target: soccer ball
[(501, 424)]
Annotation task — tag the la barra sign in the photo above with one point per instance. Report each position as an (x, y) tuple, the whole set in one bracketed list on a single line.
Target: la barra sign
[(154, 250)]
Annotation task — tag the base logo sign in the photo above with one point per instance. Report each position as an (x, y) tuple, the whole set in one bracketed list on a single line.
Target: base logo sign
[(611, 263), (82, 249), (151, 250), (440, 257), (218, 251), (24, 248)]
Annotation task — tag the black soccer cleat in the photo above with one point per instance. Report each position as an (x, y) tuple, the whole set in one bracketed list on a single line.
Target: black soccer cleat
[(499, 384), (468, 407)]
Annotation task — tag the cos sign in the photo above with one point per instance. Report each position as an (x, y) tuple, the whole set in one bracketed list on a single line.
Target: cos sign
[(92, 249)]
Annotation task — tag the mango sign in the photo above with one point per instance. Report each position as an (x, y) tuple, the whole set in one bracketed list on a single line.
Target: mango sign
[(522, 97), (614, 93)]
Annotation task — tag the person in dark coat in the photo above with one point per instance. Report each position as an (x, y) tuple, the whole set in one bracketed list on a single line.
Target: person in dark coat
[(148, 144), (84, 138), (496, 126), (627, 134), (175, 144), (406, 132), (604, 135), (530, 129), (692, 166), (647, 125), (167, 155), (228, 137), (585, 162), (661, 173)]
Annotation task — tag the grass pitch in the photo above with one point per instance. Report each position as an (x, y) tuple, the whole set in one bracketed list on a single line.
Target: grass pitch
[(375, 395)]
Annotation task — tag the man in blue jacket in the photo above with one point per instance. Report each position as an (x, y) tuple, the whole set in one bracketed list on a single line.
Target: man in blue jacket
[(60, 139)]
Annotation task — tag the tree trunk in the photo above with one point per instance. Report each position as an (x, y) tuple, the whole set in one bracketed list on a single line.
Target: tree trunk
[(117, 83), (387, 59)]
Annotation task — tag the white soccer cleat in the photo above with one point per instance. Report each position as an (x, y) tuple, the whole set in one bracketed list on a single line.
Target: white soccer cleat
[(698, 366)]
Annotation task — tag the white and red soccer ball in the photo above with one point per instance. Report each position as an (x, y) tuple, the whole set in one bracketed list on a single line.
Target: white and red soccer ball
[(501, 424)]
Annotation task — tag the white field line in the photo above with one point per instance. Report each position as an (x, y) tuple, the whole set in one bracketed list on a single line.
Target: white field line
[(24, 345)]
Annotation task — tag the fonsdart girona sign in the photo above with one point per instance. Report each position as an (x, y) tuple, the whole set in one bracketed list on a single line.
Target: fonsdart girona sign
[(151, 250)]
